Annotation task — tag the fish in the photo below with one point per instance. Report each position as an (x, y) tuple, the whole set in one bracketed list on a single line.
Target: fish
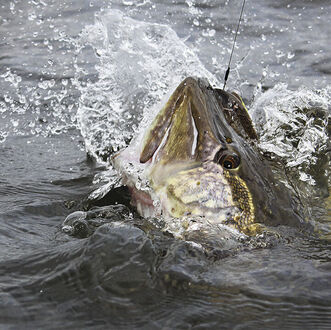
[(199, 159)]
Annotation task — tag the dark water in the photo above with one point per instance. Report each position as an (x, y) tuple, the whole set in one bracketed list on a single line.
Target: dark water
[(58, 80)]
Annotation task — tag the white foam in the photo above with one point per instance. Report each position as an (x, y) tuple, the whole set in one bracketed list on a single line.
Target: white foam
[(293, 124), (139, 63)]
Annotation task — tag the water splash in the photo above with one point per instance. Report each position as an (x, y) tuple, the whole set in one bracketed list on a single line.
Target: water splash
[(44, 109), (139, 63), (106, 181), (293, 125), (135, 59), (83, 224)]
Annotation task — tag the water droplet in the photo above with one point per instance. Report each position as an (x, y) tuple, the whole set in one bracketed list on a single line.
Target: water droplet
[(3, 136), (43, 84), (22, 99), (14, 122), (7, 98), (196, 22), (290, 55), (32, 16), (127, 3), (12, 7), (212, 32)]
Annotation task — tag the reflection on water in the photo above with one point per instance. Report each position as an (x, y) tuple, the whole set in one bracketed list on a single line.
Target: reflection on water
[(71, 80)]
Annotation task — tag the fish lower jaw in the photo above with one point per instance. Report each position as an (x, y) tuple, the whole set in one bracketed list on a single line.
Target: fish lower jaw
[(143, 202), (145, 210)]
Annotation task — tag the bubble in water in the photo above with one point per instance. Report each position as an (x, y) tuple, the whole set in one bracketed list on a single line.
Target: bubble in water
[(76, 225), (83, 224)]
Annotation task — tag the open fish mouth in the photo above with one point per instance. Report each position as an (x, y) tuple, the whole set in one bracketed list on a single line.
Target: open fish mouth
[(199, 159)]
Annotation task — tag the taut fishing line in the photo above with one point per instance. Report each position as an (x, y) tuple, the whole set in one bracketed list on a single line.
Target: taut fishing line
[(234, 43)]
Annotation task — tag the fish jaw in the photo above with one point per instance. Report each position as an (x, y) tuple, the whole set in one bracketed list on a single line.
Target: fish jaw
[(195, 190), (135, 176), (181, 190)]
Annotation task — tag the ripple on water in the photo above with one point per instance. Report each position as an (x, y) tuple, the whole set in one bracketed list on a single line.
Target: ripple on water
[(127, 274)]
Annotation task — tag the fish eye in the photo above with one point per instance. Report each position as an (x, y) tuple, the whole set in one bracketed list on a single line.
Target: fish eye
[(229, 161)]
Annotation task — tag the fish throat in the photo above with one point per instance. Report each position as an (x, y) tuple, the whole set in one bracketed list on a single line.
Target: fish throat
[(207, 191)]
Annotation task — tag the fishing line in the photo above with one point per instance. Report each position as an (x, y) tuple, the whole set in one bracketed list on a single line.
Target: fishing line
[(234, 43)]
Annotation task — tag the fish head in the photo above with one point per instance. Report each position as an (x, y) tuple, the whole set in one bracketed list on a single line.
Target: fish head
[(201, 159)]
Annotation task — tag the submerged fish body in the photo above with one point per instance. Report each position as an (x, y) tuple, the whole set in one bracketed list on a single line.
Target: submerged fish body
[(200, 160)]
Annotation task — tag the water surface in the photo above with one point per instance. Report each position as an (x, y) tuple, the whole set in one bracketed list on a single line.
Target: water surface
[(77, 78)]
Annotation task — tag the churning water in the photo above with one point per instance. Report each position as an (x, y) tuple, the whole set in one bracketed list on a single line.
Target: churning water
[(82, 78)]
